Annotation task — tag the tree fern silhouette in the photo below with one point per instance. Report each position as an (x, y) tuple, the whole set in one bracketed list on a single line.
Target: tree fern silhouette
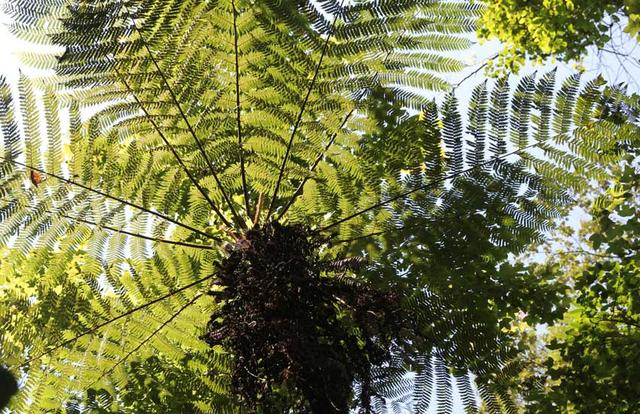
[(212, 123)]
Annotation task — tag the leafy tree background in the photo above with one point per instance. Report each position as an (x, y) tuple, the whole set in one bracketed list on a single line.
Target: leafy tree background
[(590, 353), (554, 28)]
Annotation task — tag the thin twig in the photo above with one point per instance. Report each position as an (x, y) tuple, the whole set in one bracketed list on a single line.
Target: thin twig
[(474, 72)]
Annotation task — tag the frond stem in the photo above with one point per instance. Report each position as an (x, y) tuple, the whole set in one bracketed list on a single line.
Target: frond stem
[(238, 109), (108, 196), (256, 217), (122, 315), (424, 187), (300, 113), (141, 236)]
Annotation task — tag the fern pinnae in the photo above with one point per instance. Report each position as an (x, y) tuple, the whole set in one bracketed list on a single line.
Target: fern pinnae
[(478, 107), (542, 100), (29, 113), (423, 387), (428, 185), (147, 339), (521, 110), (114, 319), (432, 141), (313, 166), (10, 132), (565, 103), (499, 116), (192, 178), (452, 133), (444, 395), (108, 196), (302, 108), (326, 148), (463, 383), (174, 98)]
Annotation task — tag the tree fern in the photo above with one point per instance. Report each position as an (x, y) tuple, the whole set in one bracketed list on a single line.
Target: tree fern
[(207, 118)]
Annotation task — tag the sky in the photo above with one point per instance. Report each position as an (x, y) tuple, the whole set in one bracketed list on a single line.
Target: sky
[(617, 62)]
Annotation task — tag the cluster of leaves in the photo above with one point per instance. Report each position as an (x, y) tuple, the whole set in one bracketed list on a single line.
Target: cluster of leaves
[(585, 361), (593, 352), (563, 29)]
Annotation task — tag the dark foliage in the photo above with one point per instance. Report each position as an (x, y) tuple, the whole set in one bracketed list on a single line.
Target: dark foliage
[(8, 386), (300, 339)]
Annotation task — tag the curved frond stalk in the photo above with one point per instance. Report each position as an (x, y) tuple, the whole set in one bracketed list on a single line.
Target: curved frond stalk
[(145, 341), (302, 108), (238, 120), (110, 321), (121, 230), (110, 197), (141, 236)]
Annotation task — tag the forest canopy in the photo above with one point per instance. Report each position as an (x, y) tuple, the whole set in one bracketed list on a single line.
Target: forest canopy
[(562, 29)]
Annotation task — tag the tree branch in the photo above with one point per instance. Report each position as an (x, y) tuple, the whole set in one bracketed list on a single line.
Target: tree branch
[(475, 71)]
